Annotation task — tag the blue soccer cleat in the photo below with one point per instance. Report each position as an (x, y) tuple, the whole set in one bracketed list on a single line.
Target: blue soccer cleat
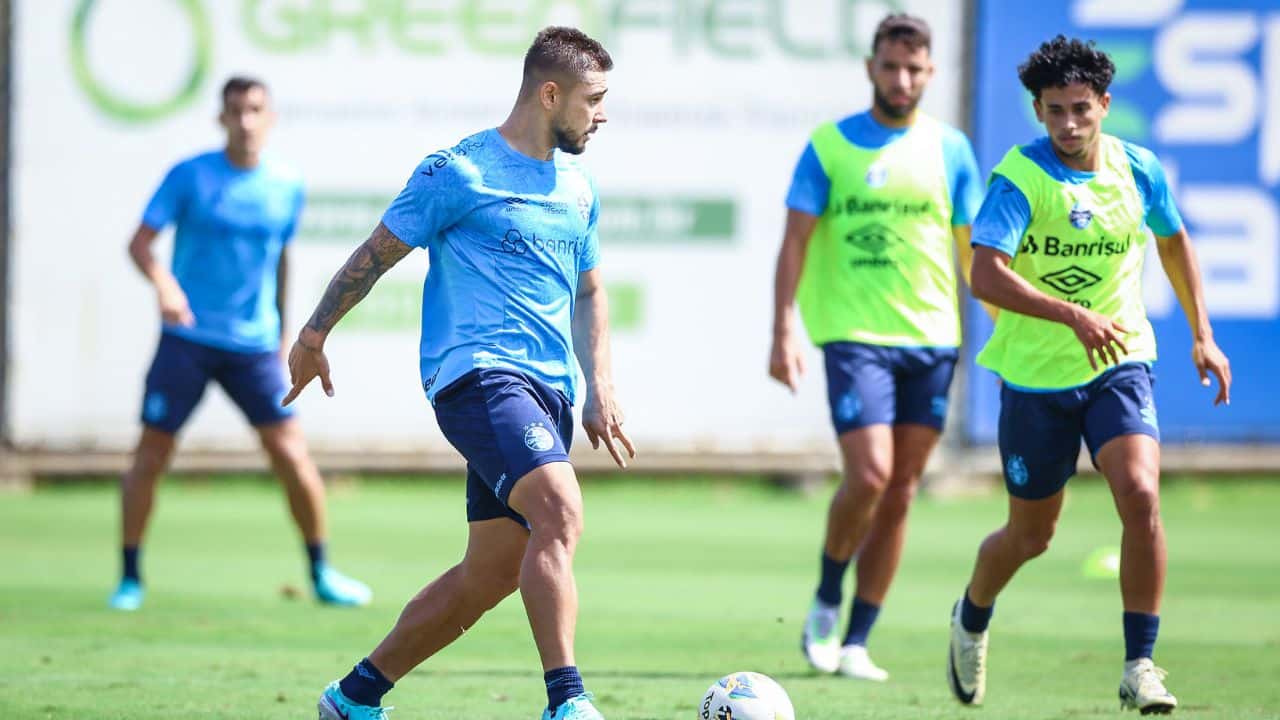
[(128, 596), (334, 705), (578, 707), (334, 588)]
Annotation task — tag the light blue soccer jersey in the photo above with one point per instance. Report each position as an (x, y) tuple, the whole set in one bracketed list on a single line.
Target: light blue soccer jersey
[(811, 188), (231, 225), (506, 236), (1005, 213)]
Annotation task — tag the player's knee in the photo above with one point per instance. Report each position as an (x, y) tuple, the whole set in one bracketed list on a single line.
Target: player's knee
[(867, 481), (486, 590), (897, 499), (1139, 505), (559, 519), (150, 459), (1033, 541)]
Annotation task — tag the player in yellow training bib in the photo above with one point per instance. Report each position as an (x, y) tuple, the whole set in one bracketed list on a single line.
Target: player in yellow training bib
[(876, 203), (1058, 247)]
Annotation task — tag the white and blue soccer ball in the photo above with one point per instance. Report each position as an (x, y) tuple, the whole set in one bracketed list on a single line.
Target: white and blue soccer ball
[(746, 696)]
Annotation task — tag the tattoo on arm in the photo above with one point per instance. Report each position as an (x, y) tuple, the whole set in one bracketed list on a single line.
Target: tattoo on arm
[(373, 258)]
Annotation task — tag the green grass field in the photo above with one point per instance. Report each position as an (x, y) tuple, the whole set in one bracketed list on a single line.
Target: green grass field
[(680, 583)]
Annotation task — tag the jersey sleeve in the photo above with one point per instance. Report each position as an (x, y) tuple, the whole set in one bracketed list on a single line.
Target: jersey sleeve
[(1003, 217), (432, 200), (962, 177), (1157, 198), (591, 249), (167, 202), (810, 186)]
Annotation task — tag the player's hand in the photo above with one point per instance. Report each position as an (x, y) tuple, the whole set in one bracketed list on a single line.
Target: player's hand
[(602, 419), (174, 309), (786, 360), (1209, 360), (306, 363), (1101, 337)]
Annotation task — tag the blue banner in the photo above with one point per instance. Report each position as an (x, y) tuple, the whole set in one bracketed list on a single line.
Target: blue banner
[(1197, 82)]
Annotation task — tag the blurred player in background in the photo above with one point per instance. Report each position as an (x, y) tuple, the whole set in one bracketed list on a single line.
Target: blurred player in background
[(508, 219), (876, 204), (1058, 247), (221, 306)]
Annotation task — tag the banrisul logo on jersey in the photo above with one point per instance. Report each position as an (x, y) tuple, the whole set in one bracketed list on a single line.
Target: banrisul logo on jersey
[(102, 28)]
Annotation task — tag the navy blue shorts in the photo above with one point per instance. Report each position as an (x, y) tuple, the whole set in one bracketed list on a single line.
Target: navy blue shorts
[(505, 424), (877, 385), (182, 368), (1040, 432)]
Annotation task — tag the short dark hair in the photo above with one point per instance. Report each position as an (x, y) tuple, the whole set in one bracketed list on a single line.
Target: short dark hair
[(564, 51), (237, 84), (1061, 62), (901, 27)]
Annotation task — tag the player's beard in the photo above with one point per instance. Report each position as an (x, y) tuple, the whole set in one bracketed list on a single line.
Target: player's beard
[(569, 141), (890, 109)]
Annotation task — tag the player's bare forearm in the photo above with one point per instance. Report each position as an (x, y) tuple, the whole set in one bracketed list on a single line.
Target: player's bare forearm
[(145, 260), (591, 332), (964, 258), (993, 281), (353, 281), (786, 278), (282, 281), (1178, 257)]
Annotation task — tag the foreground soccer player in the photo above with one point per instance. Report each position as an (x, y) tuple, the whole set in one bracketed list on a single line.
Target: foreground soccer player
[(221, 305), (876, 202), (1059, 246), (511, 293)]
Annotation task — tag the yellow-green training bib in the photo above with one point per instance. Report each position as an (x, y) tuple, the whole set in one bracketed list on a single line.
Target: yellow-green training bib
[(1085, 244), (880, 267)]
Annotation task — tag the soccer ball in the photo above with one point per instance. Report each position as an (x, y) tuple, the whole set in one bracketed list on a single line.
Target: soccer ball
[(746, 696)]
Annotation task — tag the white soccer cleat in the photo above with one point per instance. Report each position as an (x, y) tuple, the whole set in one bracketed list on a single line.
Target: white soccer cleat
[(967, 662), (819, 642), (856, 663), (1142, 689)]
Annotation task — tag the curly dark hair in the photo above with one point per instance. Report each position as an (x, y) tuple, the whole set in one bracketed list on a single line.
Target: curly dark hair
[(1061, 62)]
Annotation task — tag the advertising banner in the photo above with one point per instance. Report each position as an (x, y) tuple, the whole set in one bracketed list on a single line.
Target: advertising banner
[(709, 107)]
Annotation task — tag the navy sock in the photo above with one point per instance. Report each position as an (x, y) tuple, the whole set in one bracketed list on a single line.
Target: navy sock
[(562, 684), (973, 618), (832, 578), (861, 618), (1140, 630), (131, 563), (315, 555), (365, 684)]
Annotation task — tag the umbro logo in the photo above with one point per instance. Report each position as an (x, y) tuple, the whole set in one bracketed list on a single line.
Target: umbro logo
[(874, 238), (1070, 280)]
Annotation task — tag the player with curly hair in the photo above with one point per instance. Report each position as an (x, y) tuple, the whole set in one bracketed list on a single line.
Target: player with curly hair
[(1058, 247)]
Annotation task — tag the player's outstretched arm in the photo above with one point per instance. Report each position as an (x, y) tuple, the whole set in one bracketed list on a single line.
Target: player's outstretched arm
[(601, 416), (1178, 257), (174, 309), (786, 357), (373, 258), (995, 282)]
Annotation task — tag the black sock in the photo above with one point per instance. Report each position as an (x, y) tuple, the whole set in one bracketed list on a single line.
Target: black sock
[(562, 684), (861, 617), (831, 579), (365, 684), (1140, 630), (130, 564), (315, 555), (974, 618)]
